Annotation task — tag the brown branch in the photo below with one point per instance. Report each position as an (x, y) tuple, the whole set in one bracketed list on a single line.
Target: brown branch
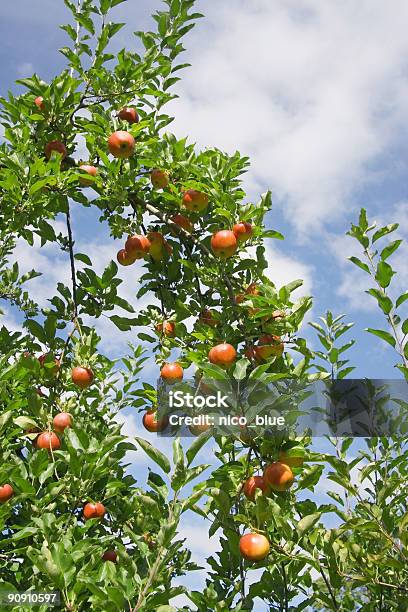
[(327, 583), (72, 261)]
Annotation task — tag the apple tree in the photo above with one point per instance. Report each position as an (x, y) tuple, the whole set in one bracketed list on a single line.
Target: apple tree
[(73, 518)]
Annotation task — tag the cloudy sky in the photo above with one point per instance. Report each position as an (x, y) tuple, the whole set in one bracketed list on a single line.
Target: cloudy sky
[(315, 92)]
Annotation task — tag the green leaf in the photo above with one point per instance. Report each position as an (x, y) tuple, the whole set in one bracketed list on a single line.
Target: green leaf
[(389, 250), (4, 418), (37, 330), (84, 258), (286, 290), (25, 532), (360, 264), (310, 477), (384, 274), (105, 6), (178, 456), (241, 368), (123, 323), (25, 422), (124, 304), (174, 8), (154, 454), (214, 371), (307, 522), (383, 300), (343, 373), (384, 231), (259, 371), (162, 26), (402, 298), (384, 335), (196, 446), (362, 221), (404, 327), (146, 337), (273, 234)]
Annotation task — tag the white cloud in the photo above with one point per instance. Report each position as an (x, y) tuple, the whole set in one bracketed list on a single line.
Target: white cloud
[(305, 88), (55, 268), (9, 321), (283, 269), (24, 69)]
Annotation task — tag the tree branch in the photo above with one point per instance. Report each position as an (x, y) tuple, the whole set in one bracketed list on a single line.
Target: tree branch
[(72, 261)]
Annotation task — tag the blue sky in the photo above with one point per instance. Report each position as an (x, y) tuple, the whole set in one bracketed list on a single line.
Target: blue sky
[(314, 92)]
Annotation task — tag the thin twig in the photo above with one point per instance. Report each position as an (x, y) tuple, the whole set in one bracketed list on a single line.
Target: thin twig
[(390, 315), (328, 585), (72, 261)]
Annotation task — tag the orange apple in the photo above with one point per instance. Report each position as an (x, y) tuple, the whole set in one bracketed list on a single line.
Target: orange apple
[(124, 258), (183, 222), (243, 231), (128, 114), (137, 246), (121, 144), (55, 147), (224, 244), (87, 169), (195, 201), (39, 102), (159, 178)]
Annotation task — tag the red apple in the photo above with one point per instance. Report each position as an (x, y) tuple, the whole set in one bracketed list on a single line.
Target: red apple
[(171, 373), (207, 318), (224, 244), (183, 222), (39, 102), (137, 246), (110, 555), (121, 144), (254, 546), (6, 493), (167, 328), (152, 423), (253, 483), (242, 231), (268, 346), (159, 178), (124, 259), (55, 147), (61, 421), (129, 114), (93, 510), (82, 377), (48, 440), (52, 371), (223, 355), (195, 201), (87, 169)]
